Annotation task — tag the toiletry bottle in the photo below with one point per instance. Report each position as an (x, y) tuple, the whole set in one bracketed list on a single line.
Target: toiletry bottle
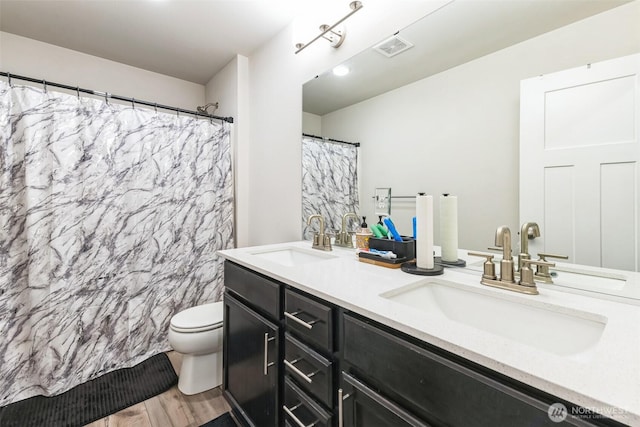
[(363, 234)]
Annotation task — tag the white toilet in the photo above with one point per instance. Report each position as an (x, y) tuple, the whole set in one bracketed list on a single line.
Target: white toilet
[(197, 333)]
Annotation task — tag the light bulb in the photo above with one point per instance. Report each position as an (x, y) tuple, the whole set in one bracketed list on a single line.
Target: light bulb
[(341, 70)]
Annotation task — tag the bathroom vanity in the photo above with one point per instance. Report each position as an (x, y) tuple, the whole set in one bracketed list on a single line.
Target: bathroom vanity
[(318, 338)]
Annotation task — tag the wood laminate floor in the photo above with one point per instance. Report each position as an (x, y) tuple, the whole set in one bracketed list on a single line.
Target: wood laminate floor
[(171, 408)]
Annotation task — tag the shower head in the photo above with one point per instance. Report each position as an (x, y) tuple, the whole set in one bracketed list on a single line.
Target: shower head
[(203, 109)]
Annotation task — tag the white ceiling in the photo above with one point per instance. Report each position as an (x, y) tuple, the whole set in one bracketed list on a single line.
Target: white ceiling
[(194, 39), (188, 39)]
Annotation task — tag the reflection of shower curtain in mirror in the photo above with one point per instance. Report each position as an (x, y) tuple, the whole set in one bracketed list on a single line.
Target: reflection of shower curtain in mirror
[(110, 219), (329, 183)]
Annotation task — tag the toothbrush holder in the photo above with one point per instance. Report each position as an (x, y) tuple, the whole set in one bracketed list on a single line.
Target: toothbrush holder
[(405, 249)]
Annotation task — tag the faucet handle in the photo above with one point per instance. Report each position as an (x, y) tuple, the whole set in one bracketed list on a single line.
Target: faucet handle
[(526, 274), (543, 256), (481, 255), (326, 244), (489, 271), (543, 270)]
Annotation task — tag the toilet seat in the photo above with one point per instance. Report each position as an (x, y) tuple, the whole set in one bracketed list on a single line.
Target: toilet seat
[(200, 318)]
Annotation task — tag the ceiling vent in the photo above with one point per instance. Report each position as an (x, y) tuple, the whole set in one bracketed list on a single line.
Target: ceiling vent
[(392, 46)]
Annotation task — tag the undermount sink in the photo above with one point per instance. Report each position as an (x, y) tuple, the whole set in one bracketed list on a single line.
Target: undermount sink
[(292, 257), (554, 329)]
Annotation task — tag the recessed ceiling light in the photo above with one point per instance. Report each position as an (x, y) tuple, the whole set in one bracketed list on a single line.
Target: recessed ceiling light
[(341, 70)]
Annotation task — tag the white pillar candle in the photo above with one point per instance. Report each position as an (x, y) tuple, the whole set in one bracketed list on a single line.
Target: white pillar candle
[(449, 228), (424, 231)]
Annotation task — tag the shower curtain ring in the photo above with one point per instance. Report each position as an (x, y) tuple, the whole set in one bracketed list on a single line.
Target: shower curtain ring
[(106, 98), (78, 91), (44, 85), (9, 79), (133, 103), (155, 105)]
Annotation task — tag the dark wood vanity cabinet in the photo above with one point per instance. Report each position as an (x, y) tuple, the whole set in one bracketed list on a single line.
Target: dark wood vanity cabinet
[(251, 347), (388, 379), (292, 359)]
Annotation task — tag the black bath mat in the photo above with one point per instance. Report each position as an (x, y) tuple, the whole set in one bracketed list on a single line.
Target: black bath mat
[(94, 399), (223, 420)]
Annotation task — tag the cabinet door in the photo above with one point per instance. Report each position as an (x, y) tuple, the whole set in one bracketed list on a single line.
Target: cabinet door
[(438, 389), (361, 406), (250, 364)]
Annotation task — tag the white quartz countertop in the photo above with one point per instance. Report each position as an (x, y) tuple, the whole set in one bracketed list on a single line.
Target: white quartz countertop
[(604, 378)]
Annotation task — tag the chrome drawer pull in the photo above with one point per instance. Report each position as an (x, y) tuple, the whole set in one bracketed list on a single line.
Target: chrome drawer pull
[(293, 317), (267, 364), (306, 377), (294, 418), (341, 397)]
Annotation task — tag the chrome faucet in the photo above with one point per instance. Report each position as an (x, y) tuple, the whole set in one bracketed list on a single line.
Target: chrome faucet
[(524, 241), (320, 240), (345, 238)]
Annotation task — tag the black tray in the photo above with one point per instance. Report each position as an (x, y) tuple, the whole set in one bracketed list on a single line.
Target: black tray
[(384, 260)]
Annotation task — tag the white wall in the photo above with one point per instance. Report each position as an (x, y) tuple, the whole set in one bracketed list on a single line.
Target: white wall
[(31, 58), (459, 130), (223, 89), (311, 124), (229, 87), (276, 78)]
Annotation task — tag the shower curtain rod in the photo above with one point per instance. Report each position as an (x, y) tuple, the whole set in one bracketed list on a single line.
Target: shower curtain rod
[(106, 95), (357, 144)]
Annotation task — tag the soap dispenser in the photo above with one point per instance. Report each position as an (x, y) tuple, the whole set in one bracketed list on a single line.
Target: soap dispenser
[(363, 235)]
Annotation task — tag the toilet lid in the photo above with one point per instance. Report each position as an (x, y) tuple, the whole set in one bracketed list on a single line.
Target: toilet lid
[(206, 316)]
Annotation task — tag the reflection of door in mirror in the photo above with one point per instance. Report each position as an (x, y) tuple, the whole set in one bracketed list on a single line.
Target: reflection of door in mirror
[(329, 182), (579, 162)]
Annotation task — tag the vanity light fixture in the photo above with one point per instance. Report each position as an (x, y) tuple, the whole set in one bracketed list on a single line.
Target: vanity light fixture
[(335, 33)]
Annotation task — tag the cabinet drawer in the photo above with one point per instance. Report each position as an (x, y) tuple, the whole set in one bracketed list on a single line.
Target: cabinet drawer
[(436, 389), (260, 292), (310, 370), (309, 320), (300, 410)]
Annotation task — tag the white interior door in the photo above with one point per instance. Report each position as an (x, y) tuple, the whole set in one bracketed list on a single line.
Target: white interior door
[(579, 154)]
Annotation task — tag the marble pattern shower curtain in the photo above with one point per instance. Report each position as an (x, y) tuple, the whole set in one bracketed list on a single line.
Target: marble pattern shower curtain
[(329, 183), (110, 219)]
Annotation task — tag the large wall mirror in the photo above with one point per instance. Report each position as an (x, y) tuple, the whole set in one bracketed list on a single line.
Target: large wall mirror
[(443, 116)]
